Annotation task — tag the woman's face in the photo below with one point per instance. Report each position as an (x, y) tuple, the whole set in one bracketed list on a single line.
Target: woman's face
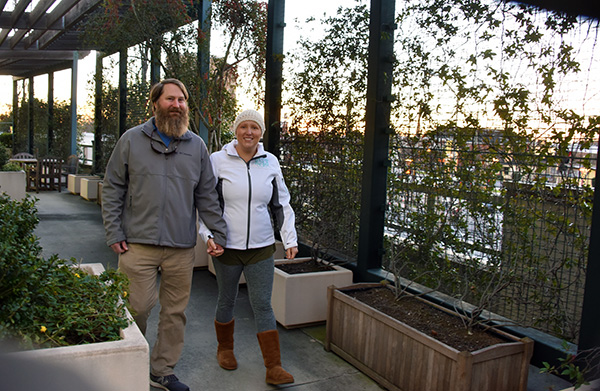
[(248, 134)]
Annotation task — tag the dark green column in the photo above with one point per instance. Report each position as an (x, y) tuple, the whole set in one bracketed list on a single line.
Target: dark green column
[(51, 114), (589, 331), (98, 153), (30, 123), (274, 70), (122, 91), (376, 162), (203, 9)]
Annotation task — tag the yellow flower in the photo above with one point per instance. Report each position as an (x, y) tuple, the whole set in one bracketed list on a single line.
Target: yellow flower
[(43, 329), (124, 294), (77, 275)]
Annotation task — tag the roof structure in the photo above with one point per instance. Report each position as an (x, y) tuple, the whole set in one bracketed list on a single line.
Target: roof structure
[(44, 39), (41, 36)]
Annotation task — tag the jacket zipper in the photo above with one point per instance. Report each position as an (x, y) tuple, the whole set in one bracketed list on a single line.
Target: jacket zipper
[(249, 202)]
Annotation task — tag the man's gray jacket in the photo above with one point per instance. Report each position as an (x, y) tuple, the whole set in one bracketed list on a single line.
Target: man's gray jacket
[(151, 192)]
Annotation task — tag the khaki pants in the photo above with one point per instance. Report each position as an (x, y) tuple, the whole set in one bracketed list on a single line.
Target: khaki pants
[(140, 263)]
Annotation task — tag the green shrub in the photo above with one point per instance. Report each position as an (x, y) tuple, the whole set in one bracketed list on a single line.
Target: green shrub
[(11, 167), (6, 140), (49, 302), (3, 157)]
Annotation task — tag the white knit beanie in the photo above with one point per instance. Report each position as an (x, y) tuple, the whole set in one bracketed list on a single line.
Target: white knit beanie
[(249, 115)]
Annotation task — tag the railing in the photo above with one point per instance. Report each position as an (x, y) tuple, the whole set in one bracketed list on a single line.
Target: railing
[(468, 217)]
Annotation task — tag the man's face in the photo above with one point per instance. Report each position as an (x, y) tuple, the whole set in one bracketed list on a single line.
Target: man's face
[(171, 111)]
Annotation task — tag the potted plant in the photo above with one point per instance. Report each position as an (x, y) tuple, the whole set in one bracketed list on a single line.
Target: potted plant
[(12, 177), (72, 316)]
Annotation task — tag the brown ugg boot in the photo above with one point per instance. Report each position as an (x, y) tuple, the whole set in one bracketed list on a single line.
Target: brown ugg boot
[(269, 345), (225, 349)]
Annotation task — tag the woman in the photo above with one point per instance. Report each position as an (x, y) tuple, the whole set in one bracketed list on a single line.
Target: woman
[(253, 195)]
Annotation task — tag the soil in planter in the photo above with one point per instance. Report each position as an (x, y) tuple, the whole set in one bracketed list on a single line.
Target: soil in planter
[(308, 266), (442, 326)]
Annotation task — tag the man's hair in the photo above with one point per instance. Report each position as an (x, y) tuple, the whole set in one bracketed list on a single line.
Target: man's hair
[(157, 90)]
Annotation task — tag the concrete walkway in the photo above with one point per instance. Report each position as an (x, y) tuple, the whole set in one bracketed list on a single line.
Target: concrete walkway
[(70, 226)]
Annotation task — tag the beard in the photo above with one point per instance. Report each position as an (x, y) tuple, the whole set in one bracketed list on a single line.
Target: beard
[(169, 125)]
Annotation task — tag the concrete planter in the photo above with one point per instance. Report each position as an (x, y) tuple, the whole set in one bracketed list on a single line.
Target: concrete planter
[(593, 386), (301, 299), (113, 365), (74, 182), (402, 358), (89, 188), (14, 184)]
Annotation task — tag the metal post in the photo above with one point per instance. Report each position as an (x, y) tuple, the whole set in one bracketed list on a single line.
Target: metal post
[(15, 114), (98, 165), (589, 330), (74, 104), (376, 162), (51, 113), (122, 91), (31, 122), (274, 71), (203, 8)]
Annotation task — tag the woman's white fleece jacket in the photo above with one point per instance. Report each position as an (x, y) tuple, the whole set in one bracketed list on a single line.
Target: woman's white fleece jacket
[(254, 199)]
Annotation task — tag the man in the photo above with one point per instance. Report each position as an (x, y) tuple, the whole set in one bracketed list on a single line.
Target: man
[(158, 180)]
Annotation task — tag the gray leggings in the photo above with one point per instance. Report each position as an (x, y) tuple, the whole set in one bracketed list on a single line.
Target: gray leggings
[(259, 280)]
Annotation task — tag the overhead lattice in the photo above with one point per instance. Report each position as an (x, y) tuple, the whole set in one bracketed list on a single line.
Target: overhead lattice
[(41, 37)]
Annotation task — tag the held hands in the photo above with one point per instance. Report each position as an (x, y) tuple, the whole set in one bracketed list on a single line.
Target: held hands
[(291, 252), (213, 248), (119, 247)]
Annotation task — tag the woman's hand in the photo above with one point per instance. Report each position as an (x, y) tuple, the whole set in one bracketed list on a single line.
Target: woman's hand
[(291, 252), (213, 248)]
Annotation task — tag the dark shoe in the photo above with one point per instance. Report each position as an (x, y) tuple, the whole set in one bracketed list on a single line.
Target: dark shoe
[(169, 383)]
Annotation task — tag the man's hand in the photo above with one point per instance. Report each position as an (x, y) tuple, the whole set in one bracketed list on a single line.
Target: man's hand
[(291, 252), (119, 247), (213, 248)]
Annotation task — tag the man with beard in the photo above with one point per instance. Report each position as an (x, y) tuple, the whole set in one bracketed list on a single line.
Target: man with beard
[(158, 180)]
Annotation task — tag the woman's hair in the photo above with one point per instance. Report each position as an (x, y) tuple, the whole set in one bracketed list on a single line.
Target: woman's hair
[(157, 90)]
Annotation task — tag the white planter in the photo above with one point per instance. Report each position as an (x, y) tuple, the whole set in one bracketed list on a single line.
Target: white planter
[(14, 184), (594, 385), (113, 365), (74, 182), (301, 299), (89, 188)]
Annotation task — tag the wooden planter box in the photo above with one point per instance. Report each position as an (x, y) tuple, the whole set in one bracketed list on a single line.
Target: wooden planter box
[(402, 358), (14, 184), (301, 299), (113, 365)]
